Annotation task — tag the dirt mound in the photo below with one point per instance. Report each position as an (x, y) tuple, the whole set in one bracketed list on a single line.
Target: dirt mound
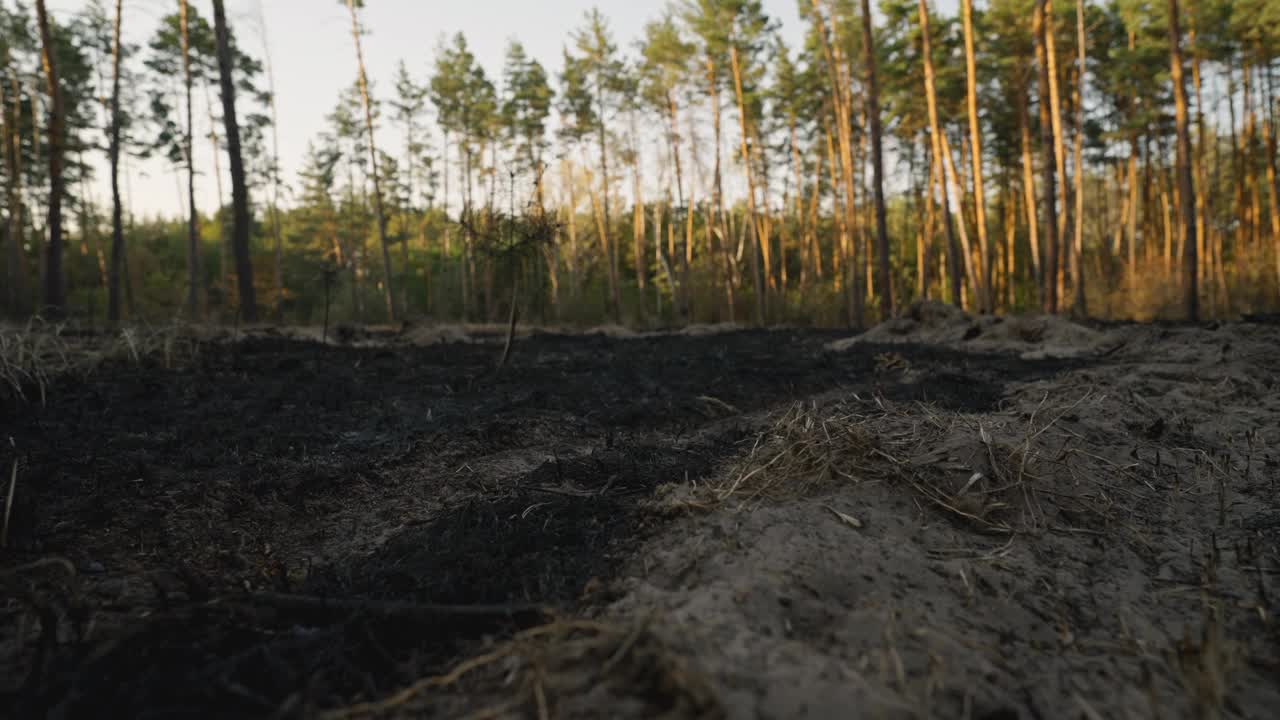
[(1103, 545), (1031, 337)]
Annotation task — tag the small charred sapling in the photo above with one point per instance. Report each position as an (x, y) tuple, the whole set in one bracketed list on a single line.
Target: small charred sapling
[(511, 243)]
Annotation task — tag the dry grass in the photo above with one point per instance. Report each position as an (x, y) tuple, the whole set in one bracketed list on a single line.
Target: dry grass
[(31, 356), (805, 448), (541, 669), (1000, 473)]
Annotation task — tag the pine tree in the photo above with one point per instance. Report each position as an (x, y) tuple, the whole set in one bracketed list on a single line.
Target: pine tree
[(466, 103), (239, 184), (1186, 183), (526, 106), (116, 122), (595, 73), (877, 164), (381, 214), (55, 298), (664, 72)]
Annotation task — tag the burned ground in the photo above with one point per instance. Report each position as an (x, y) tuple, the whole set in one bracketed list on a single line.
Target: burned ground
[(275, 526)]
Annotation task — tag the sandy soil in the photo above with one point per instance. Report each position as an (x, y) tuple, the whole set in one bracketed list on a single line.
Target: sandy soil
[(1105, 544), (944, 517)]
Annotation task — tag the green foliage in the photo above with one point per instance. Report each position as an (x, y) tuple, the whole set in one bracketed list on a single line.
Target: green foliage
[(666, 64), (465, 99), (654, 101), (526, 106)]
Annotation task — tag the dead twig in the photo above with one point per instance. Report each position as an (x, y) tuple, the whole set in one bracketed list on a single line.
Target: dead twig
[(8, 499), (520, 614)]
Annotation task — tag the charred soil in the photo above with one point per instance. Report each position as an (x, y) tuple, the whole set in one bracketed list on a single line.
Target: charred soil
[(279, 527)]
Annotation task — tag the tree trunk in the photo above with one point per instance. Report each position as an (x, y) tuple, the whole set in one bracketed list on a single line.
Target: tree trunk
[(717, 211), (88, 223), (275, 171), (239, 188), (760, 238), (193, 218), (127, 278), (224, 240), (1077, 246), (842, 90), (966, 249), (387, 289), (1029, 187), (1273, 180), (1167, 225), (877, 166), (838, 251), (1010, 243), (686, 257), (928, 236), (1049, 291), (113, 150), (1249, 186), (55, 299), (1059, 148), (611, 255), (1132, 221), (815, 198), (638, 230), (572, 212), (1186, 184), (984, 299), (935, 135), (606, 252), (1198, 170), (19, 291)]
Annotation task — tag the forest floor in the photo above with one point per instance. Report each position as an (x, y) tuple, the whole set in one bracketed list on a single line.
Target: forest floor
[(944, 517)]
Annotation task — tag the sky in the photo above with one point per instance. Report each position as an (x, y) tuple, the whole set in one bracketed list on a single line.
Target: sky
[(312, 58)]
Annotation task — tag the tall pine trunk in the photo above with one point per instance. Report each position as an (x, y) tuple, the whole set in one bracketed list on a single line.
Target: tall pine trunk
[(1199, 170), (18, 288), (966, 248), (1048, 142), (638, 229), (193, 218), (239, 188), (842, 90), (1029, 186), (883, 269), (686, 257), (939, 155), (761, 239), (1059, 149), (1186, 184), (388, 292), (928, 234), (55, 298), (1077, 245), (224, 240), (1273, 179), (113, 150), (610, 252), (984, 299), (717, 211)]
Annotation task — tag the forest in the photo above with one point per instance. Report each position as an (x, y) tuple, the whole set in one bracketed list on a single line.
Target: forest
[(903, 360), (1112, 160)]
